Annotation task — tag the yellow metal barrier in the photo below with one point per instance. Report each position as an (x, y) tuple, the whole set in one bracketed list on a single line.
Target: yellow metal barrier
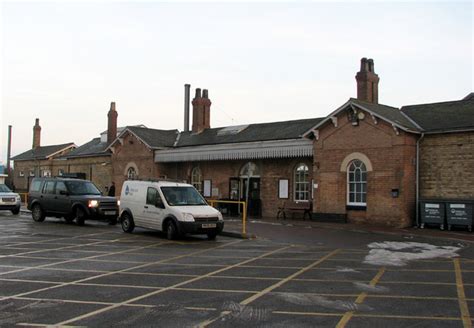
[(24, 197), (244, 211)]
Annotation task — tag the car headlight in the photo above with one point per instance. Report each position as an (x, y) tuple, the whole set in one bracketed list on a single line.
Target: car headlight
[(118, 202), (93, 203), (220, 217), (187, 217), (18, 198)]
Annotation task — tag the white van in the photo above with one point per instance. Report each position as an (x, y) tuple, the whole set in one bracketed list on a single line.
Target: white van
[(171, 207)]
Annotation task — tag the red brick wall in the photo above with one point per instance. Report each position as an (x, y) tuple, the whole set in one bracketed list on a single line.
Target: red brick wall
[(392, 157), (221, 171), (132, 153)]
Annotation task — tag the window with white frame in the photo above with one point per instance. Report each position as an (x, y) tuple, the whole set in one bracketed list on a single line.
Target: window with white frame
[(21, 174), (301, 182), (196, 178), (32, 173), (356, 183), (131, 173)]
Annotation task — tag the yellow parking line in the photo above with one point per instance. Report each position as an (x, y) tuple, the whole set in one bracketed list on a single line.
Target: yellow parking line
[(272, 287), (216, 290), (173, 286), (466, 318), (382, 282), (360, 299), (361, 315)]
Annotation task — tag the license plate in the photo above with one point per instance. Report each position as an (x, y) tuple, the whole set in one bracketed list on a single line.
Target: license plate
[(208, 225), (109, 212)]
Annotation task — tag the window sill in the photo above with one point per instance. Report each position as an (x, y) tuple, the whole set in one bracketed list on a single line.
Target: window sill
[(356, 207)]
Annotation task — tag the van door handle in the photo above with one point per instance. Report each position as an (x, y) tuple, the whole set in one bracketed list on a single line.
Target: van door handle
[(146, 206)]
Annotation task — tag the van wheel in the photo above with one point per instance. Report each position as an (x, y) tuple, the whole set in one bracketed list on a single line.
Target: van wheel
[(171, 231), (127, 222), (16, 210), (211, 235), (80, 216), (37, 213)]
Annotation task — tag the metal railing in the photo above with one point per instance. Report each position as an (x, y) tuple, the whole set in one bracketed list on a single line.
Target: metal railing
[(244, 210)]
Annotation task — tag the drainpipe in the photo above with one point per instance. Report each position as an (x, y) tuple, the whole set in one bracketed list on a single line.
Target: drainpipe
[(418, 179)]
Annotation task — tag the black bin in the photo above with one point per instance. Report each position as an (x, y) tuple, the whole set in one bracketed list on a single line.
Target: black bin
[(459, 214), (432, 212)]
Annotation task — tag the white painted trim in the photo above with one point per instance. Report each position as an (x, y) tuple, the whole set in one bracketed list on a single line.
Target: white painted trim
[(361, 157), (249, 150)]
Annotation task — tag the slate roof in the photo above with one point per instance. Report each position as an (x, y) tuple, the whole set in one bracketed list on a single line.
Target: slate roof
[(91, 148), (253, 132), (155, 138), (42, 152), (392, 114), (443, 116)]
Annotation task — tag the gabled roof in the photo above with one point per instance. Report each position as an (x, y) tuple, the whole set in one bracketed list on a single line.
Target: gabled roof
[(250, 133), (389, 114), (43, 152), (91, 148), (152, 138), (444, 116)]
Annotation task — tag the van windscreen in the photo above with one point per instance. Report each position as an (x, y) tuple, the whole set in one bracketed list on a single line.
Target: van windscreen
[(183, 196)]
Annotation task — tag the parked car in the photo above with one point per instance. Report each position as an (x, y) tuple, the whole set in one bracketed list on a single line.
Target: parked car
[(174, 208), (9, 200), (72, 199)]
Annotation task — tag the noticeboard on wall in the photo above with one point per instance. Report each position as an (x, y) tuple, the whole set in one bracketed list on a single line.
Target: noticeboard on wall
[(207, 188), (283, 188)]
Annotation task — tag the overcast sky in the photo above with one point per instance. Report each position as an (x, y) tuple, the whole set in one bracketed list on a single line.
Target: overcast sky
[(65, 62)]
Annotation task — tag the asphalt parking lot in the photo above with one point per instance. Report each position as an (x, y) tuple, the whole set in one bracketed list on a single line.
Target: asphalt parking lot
[(60, 274)]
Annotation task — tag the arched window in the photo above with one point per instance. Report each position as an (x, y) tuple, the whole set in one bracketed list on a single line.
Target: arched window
[(301, 182), (196, 178), (356, 183), (131, 173), (250, 169)]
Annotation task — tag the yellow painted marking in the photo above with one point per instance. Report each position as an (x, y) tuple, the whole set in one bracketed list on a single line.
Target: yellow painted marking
[(272, 287), (173, 286), (216, 290), (113, 272), (200, 308), (360, 299), (466, 318), (384, 282), (361, 315)]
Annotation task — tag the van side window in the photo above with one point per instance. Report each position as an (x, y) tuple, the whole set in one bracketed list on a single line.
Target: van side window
[(152, 196), (60, 186), (48, 187)]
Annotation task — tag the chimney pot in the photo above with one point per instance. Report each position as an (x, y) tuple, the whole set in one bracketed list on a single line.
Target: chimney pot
[(36, 134), (367, 82), (198, 93), (205, 94), (111, 123)]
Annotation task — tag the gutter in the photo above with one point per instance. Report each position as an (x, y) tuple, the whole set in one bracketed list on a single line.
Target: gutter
[(417, 217)]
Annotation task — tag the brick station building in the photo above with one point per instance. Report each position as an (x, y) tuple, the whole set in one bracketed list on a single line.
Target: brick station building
[(364, 162)]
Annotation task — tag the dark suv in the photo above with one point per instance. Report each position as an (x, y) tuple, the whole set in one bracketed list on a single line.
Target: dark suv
[(72, 199)]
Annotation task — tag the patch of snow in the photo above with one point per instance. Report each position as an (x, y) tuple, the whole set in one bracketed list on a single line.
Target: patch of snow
[(342, 269), (314, 300), (400, 253)]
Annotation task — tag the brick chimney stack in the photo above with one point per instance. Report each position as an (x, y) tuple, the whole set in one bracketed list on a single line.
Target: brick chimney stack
[(112, 123), (367, 82), (36, 134), (201, 111)]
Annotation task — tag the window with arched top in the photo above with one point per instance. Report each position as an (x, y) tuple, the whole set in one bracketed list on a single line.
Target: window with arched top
[(356, 183), (196, 178), (131, 173), (250, 169), (301, 179)]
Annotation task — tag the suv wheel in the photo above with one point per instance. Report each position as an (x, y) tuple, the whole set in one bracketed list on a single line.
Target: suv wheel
[(80, 216), (171, 231), (127, 222), (37, 213)]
